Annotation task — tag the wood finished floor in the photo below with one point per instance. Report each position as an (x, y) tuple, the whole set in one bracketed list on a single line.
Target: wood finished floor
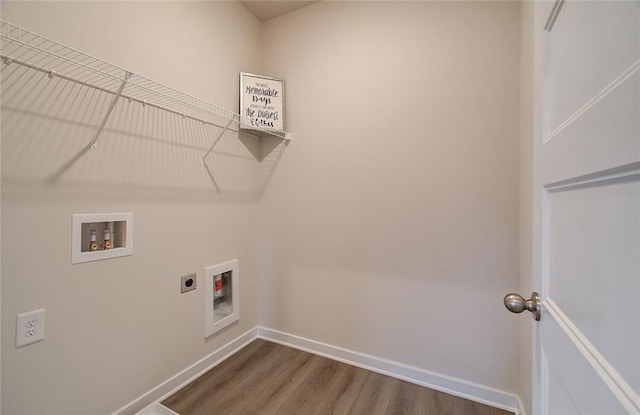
[(266, 378)]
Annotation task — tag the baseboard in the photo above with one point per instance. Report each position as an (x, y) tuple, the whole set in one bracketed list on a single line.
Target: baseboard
[(521, 410), (182, 378), (453, 386), (457, 387)]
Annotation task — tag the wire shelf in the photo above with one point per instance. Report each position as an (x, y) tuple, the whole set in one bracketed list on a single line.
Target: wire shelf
[(38, 52), (116, 85)]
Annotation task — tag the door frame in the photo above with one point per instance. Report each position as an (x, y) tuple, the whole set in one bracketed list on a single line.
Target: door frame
[(538, 15)]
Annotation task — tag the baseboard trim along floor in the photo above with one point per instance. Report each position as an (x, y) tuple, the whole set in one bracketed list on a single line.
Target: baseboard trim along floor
[(176, 382), (457, 387), (442, 383)]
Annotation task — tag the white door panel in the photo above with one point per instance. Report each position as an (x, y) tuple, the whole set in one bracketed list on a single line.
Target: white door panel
[(587, 173), (602, 137), (594, 245), (571, 377), (592, 43), (559, 398)]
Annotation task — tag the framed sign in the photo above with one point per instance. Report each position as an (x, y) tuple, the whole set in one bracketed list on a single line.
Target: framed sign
[(261, 102)]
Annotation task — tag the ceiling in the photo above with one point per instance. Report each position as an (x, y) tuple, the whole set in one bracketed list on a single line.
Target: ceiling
[(268, 9)]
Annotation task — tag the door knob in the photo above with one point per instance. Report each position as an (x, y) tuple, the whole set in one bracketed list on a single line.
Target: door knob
[(517, 304)]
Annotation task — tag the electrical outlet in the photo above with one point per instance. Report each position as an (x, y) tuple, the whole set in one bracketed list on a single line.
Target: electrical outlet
[(188, 283), (29, 327)]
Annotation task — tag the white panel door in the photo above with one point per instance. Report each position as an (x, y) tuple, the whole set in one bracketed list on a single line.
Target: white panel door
[(587, 209)]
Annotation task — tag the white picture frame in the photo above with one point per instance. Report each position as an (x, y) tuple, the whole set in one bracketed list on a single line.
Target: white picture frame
[(262, 104)]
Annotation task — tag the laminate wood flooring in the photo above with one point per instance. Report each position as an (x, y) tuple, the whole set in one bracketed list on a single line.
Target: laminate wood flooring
[(265, 378)]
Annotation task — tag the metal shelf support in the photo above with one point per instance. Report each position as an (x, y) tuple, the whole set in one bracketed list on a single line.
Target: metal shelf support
[(204, 158), (93, 144), (94, 141)]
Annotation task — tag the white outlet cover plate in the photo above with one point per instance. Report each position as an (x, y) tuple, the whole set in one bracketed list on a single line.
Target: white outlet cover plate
[(29, 327)]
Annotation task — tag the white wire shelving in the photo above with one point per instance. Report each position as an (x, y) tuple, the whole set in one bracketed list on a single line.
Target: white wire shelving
[(38, 53)]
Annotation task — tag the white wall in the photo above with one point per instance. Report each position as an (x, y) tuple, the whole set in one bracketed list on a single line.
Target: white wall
[(117, 328), (391, 225)]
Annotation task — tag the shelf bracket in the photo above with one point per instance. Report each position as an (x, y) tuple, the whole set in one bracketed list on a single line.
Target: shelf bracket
[(93, 144), (267, 179), (94, 141), (204, 158)]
